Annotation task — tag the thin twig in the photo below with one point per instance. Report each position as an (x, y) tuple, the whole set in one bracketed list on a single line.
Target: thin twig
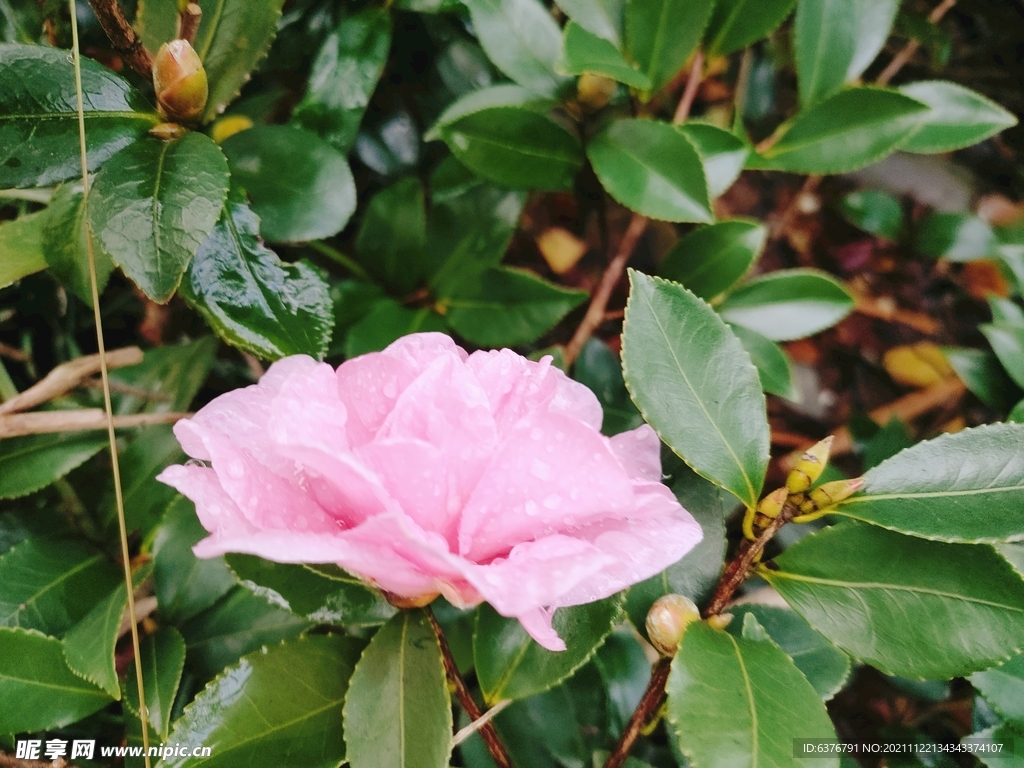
[(77, 420), (907, 52), (690, 92), (644, 711), (464, 733), (122, 36), (188, 22), (6, 350), (128, 389), (487, 732)]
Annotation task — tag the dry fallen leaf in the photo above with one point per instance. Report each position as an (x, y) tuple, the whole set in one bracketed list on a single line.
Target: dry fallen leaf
[(917, 365), (560, 248)]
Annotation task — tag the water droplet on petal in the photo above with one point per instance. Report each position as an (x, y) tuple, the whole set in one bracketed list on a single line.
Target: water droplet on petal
[(531, 508), (554, 501), (536, 433)]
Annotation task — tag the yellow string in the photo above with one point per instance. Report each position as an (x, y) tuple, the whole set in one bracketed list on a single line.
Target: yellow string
[(94, 284)]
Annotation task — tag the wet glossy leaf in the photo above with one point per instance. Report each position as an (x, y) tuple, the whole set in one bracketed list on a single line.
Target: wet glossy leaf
[(788, 304), (386, 321), (736, 24), (154, 204), (393, 234), (661, 35), (710, 259), (905, 605), (397, 710), (65, 247), (772, 365), (603, 18), (344, 75), (695, 384), (32, 462), (21, 248), (300, 186), (722, 153), (653, 169), (39, 115), (280, 705), (163, 660), (957, 117), (252, 299), (955, 236), (583, 51), (511, 665), (876, 212), (37, 689)]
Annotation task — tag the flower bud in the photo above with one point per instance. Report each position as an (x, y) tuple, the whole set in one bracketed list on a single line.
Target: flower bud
[(772, 504), (809, 467), (410, 602), (831, 494), (180, 81), (668, 619)]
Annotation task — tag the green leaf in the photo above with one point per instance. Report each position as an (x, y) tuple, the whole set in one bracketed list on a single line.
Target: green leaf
[(788, 304), (175, 372), (981, 372), (324, 594), (625, 672), (662, 34), (694, 383), (736, 24), (39, 115), (876, 212), (300, 186), (522, 40), (233, 37), (905, 605), (955, 236), (252, 299), (722, 153), (1008, 343), (583, 51), (1005, 311), (736, 702), (511, 665), (397, 711), (344, 75), (65, 247), (21, 247), (603, 18), (32, 462), (89, 645), (653, 169), (278, 706), (163, 660), (771, 362), (825, 666), (393, 234), (509, 307), (963, 487), (710, 259), (957, 117), (1004, 751), (854, 128), (479, 100), (1003, 687), (153, 205), (1017, 413), (598, 368), (184, 584), (37, 689), (51, 584), (387, 321), (145, 499), (836, 40)]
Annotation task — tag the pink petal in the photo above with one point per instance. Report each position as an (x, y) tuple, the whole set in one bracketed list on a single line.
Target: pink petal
[(369, 386), (216, 510), (537, 624), (421, 350), (515, 387), (639, 450), (576, 400), (308, 411)]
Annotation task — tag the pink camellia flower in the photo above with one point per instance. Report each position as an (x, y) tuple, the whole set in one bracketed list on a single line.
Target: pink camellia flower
[(425, 470)]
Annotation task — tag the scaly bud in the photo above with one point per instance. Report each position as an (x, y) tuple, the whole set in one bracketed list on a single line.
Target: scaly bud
[(668, 619), (809, 467), (772, 504), (821, 500), (180, 81)]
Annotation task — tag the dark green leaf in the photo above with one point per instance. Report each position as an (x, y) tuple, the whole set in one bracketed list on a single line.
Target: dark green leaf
[(39, 115), (300, 186), (957, 117), (479, 100), (955, 236), (173, 373), (21, 247), (184, 584), (603, 18), (736, 24), (522, 40), (771, 362), (653, 169), (854, 128), (825, 666), (1004, 688), (154, 204), (393, 234), (695, 385), (252, 299), (344, 75), (51, 584), (737, 702), (598, 368), (625, 671), (722, 153), (163, 659), (964, 487), (887, 442), (905, 605), (145, 499), (89, 645), (278, 706), (65, 246), (710, 259), (509, 307), (32, 462), (981, 372), (37, 689), (387, 321), (1003, 741), (788, 304), (511, 665), (324, 594), (1017, 413), (661, 35), (1008, 343), (583, 51), (233, 37), (876, 212), (397, 710)]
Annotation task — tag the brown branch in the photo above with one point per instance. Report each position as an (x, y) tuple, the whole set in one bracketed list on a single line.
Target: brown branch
[(14, 353), (487, 732), (643, 713), (122, 36), (78, 420), (188, 22), (907, 52), (67, 376), (690, 92)]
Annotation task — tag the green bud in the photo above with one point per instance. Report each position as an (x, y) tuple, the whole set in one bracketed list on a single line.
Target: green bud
[(809, 467), (831, 494), (180, 82), (667, 621)]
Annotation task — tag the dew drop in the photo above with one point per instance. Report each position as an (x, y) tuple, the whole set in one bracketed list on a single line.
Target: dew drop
[(536, 433), (390, 390), (540, 470), (236, 469), (531, 508), (554, 501)]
